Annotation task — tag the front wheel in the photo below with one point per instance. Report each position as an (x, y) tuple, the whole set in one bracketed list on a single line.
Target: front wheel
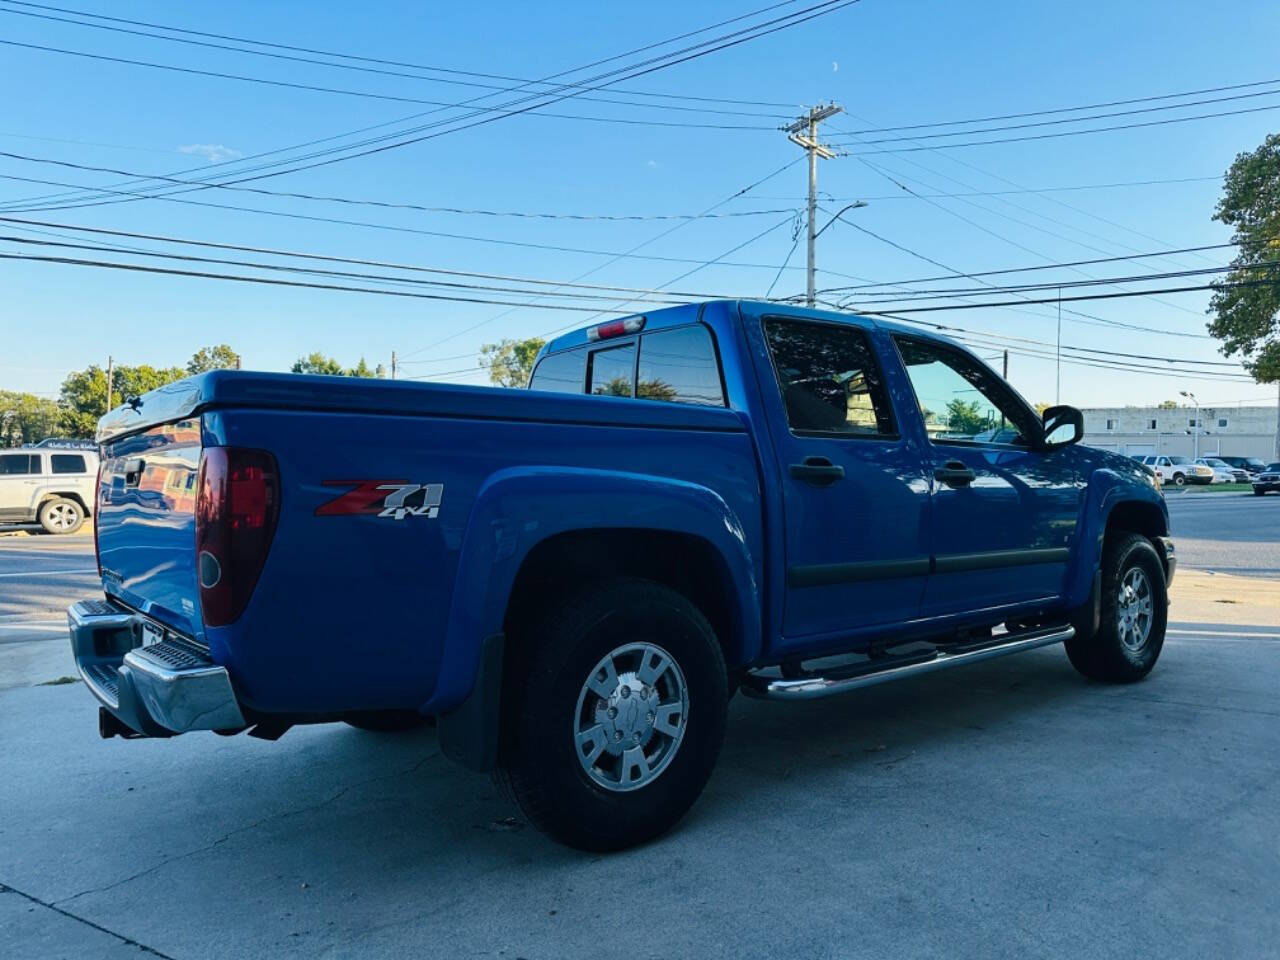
[(61, 516), (1179, 480), (1135, 608), (613, 714)]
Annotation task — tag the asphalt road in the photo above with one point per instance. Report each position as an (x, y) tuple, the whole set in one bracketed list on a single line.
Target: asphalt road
[(1009, 809), (1227, 532)]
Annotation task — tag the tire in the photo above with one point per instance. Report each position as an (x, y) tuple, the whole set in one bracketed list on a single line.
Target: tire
[(1257, 492), (578, 682), (387, 721), (60, 515), (1179, 480), (1130, 634)]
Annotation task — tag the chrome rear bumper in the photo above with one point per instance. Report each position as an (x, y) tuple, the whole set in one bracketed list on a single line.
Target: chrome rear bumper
[(157, 690)]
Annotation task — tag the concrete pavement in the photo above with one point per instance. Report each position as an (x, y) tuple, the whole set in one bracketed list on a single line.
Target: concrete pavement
[(1009, 809)]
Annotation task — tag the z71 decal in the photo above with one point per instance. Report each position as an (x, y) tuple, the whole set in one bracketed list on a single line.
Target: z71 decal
[(391, 499)]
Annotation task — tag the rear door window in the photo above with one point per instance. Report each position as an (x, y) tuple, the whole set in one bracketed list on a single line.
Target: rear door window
[(680, 366), (563, 372), (830, 380), (611, 371), (68, 463)]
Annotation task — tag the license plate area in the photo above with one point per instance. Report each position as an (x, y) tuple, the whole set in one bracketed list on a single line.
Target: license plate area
[(151, 634)]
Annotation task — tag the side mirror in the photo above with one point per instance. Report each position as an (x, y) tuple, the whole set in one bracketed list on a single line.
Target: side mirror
[(1063, 426)]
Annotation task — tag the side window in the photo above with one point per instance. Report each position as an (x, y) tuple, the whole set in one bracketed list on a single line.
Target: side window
[(610, 371), (829, 379), (16, 464), (961, 401), (67, 463), (680, 366), (563, 372)]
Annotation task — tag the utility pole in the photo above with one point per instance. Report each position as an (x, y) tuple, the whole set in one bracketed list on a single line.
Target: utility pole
[(1277, 450), (393, 364), (1058, 363), (111, 369), (804, 133), (1192, 397), (1006, 364)]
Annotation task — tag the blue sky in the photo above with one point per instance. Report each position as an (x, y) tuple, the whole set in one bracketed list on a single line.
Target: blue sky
[(889, 63)]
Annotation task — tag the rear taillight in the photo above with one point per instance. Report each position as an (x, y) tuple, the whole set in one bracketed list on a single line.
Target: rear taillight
[(97, 512), (237, 504)]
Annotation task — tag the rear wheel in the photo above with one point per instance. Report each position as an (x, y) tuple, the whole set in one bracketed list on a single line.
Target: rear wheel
[(1130, 633), (61, 515), (613, 715)]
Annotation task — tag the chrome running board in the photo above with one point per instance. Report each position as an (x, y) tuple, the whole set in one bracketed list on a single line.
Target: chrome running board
[(867, 674)]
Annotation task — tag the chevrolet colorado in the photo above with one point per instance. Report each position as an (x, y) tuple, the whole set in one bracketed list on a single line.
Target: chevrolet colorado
[(574, 579)]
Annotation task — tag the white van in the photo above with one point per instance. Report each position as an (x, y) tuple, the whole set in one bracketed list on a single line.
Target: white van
[(52, 486)]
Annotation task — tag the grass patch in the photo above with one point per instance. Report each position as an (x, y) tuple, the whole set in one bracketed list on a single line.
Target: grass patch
[(59, 681), (1211, 488)]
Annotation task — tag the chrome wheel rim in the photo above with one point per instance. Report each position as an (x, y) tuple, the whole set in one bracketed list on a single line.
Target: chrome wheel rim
[(62, 516), (631, 717), (1135, 607)]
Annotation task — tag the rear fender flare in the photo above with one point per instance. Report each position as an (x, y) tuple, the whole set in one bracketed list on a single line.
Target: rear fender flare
[(518, 508)]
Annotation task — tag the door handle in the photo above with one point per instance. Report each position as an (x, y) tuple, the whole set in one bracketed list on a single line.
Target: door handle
[(954, 474), (818, 471)]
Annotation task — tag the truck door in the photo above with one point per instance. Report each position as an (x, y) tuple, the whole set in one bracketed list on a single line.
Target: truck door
[(1004, 512), (855, 496)]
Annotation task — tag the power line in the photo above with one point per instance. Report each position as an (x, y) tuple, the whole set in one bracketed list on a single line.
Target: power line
[(1047, 266), (1092, 296), (1067, 120), (629, 253), (1056, 110), (382, 138), (371, 95), (140, 268), (430, 233), (328, 258), (1002, 193), (397, 63), (1070, 133), (544, 99), (382, 204)]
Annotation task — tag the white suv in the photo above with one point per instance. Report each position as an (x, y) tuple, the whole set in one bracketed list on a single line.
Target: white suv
[(1179, 470), (52, 486)]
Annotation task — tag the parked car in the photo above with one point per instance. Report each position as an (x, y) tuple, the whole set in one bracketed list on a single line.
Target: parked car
[(574, 579), (1267, 479), (49, 486), (1250, 465), (1223, 472), (1179, 470)]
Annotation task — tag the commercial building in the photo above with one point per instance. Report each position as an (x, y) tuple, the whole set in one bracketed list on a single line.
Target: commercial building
[(1221, 431)]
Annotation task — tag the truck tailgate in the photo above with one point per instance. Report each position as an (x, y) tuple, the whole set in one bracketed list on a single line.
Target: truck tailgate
[(146, 523)]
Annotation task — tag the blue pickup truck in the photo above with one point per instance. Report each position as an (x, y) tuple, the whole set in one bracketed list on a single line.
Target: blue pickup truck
[(573, 580)]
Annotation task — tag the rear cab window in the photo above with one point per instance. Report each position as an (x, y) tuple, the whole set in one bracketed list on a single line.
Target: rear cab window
[(676, 365)]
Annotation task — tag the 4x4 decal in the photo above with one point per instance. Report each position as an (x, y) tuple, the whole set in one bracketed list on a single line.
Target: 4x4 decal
[(391, 499)]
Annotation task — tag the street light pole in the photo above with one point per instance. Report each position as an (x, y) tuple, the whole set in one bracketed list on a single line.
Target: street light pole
[(1196, 447)]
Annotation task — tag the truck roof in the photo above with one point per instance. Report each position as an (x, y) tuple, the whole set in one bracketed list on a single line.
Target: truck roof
[(688, 313)]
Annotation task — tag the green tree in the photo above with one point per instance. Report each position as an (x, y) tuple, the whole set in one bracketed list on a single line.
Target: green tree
[(361, 369), (1168, 405), (220, 357), (1245, 316), (84, 394), (26, 418), (510, 362), (317, 363), (965, 416)]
